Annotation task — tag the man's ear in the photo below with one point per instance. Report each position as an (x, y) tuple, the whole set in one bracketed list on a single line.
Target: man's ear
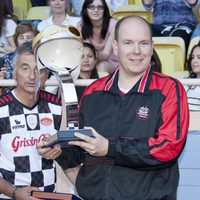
[(115, 47)]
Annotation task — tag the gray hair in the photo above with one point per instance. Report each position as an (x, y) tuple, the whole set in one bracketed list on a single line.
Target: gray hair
[(24, 48)]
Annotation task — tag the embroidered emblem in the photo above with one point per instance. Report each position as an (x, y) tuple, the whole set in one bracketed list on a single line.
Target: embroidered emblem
[(32, 121), (143, 113), (46, 121)]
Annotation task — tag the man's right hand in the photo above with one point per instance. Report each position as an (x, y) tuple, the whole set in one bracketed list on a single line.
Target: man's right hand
[(24, 193), (47, 152)]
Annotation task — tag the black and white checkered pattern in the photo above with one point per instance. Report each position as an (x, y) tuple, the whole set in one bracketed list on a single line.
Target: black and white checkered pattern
[(21, 128)]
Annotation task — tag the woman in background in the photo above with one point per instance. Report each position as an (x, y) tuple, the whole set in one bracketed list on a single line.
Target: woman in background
[(97, 28), (88, 62), (7, 30), (25, 32), (193, 65), (59, 11), (88, 66)]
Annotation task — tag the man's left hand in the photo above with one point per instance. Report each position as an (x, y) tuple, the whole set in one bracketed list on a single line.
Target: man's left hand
[(95, 146)]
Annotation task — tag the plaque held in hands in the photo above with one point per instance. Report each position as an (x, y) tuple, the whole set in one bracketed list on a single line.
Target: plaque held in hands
[(59, 48)]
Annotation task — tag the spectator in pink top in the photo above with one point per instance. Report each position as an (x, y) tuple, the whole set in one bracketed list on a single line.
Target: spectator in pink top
[(97, 28)]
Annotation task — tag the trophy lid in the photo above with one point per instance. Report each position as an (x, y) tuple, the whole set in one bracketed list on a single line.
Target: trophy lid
[(59, 48)]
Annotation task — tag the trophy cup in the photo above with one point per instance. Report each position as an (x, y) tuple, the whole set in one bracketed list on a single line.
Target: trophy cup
[(59, 48)]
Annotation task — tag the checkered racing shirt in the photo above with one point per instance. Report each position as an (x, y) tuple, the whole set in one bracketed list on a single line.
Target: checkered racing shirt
[(21, 128)]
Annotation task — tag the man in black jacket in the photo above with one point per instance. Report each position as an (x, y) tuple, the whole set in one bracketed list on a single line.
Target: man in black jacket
[(139, 120)]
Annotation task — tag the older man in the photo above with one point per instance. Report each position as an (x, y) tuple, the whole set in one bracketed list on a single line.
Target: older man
[(26, 115)]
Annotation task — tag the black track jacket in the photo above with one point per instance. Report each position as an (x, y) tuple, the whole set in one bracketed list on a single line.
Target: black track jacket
[(146, 129)]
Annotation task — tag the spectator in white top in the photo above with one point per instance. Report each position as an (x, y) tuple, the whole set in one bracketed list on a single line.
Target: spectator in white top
[(115, 4), (7, 30), (112, 4), (193, 65), (60, 16)]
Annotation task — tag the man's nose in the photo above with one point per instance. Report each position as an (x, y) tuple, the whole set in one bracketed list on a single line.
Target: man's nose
[(136, 48), (33, 74)]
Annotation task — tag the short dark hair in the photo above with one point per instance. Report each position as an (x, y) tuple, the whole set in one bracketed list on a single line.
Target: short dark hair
[(117, 27)]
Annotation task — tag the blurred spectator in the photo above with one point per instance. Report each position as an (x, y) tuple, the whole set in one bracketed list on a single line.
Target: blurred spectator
[(196, 32), (155, 62), (25, 32), (172, 18), (112, 4), (88, 62), (59, 10), (97, 28), (38, 3), (7, 30), (193, 65), (88, 66), (76, 6), (115, 4), (9, 5)]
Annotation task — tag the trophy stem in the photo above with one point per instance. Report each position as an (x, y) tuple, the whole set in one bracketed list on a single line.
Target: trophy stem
[(70, 119)]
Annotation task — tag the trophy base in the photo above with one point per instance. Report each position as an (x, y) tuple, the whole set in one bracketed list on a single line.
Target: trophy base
[(63, 137)]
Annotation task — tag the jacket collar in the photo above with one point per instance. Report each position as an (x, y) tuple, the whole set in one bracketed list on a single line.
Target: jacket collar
[(141, 85)]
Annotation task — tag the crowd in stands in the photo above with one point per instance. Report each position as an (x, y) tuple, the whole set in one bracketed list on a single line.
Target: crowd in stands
[(94, 19), (172, 18)]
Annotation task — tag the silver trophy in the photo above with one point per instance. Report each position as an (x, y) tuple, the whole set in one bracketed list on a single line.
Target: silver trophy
[(59, 48)]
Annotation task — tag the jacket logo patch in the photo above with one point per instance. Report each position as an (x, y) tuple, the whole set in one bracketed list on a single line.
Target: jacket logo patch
[(143, 113), (46, 121)]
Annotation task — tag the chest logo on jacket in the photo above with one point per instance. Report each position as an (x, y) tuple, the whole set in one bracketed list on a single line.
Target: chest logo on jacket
[(143, 113)]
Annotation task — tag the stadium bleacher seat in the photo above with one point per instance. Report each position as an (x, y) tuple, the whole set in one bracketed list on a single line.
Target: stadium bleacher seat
[(138, 1), (25, 5), (189, 162), (171, 51), (136, 9), (193, 42), (18, 12), (39, 12), (131, 2), (134, 1)]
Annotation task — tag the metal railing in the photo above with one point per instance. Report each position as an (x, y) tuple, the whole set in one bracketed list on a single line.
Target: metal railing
[(86, 82)]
